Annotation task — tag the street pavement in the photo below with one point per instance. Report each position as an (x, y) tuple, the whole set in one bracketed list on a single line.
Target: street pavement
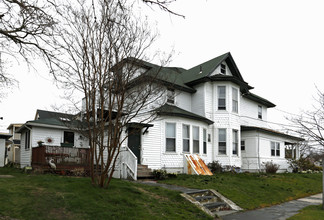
[(278, 212)]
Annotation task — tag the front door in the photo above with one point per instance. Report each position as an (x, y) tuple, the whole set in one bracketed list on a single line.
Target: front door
[(134, 142)]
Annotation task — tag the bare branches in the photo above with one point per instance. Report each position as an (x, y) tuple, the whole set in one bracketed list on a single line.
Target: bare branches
[(311, 123), (26, 31), (163, 5)]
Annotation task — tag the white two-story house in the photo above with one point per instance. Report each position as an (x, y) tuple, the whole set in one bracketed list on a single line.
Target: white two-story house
[(209, 110)]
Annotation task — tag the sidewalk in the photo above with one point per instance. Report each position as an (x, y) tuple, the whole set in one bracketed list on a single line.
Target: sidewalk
[(278, 212)]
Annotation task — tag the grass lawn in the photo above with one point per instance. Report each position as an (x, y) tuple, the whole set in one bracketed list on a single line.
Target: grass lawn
[(57, 197), (251, 190), (314, 212)]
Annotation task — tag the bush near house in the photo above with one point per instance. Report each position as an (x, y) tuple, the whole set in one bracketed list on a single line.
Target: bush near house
[(215, 167), (303, 164), (271, 167)]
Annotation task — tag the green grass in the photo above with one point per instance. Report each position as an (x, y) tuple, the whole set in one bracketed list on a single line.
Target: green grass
[(251, 191), (57, 197), (314, 212)]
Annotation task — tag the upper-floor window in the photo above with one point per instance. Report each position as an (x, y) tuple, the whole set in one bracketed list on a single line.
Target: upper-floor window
[(221, 98), (195, 136), (234, 100), (204, 141), (186, 138), (223, 69), (222, 141), (242, 145), (235, 142), (259, 112), (170, 96), (275, 149), (170, 136)]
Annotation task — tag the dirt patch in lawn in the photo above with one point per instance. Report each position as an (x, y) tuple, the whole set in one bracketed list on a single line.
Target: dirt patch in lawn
[(6, 176), (155, 196)]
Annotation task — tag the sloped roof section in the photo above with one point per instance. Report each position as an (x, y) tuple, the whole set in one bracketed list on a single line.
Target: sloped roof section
[(171, 110), (270, 131), (259, 99)]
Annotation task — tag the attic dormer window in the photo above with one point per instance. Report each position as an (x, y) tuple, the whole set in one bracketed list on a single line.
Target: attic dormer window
[(223, 69)]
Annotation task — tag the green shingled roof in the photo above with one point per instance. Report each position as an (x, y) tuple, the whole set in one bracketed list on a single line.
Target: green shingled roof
[(171, 110), (204, 69)]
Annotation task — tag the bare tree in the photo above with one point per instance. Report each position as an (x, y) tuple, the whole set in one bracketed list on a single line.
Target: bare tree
[(311, 126), (104, 45), (26, 30)]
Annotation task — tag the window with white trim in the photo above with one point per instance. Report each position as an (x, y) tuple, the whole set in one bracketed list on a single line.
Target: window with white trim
[(243, 145), (222, 141), (195, 139), (170, 136), (259, 112), (234, 100), (185, 138), (221, 97), (235, 142), (204, 141), (223, 69), (275, 149)]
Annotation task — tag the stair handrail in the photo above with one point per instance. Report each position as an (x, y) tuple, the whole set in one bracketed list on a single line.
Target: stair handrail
[(130, 161)]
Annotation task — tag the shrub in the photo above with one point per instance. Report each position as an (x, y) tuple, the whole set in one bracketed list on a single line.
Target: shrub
[(159, 174), (271, 167), (303, 164), (215, 167)]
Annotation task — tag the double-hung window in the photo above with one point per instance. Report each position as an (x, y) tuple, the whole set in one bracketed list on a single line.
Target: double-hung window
[(186, 138), (222, 141), (204, 141), (234, 100), (275, 149), (221, 97), (235, 142), (195, 137), (223, 69), (259, 112), (170, 135)]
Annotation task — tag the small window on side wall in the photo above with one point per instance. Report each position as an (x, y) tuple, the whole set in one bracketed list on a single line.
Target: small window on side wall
[(243, 145), (68, 139), (259, 112)]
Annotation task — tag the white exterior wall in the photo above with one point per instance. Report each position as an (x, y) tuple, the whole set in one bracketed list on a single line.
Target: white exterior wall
[(41, 134), (2, 152), (153, 144), (249, 113), (198, 100), (258, 151), (183, 100)]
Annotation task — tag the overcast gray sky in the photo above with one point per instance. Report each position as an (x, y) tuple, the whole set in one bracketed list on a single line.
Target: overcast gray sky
[(277, 45)]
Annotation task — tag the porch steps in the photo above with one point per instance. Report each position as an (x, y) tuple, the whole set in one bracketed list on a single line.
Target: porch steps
[(211, 202), (143, 172)]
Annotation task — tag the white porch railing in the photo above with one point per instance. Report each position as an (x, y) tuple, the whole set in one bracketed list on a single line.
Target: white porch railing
[(128, 164)]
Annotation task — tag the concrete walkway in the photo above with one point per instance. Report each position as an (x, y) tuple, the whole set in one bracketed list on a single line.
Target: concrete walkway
[(278, 212)]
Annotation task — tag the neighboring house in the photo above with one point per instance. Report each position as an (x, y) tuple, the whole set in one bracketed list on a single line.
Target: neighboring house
[(51, 128), (13, 149), (208, 110), (4, 141)]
